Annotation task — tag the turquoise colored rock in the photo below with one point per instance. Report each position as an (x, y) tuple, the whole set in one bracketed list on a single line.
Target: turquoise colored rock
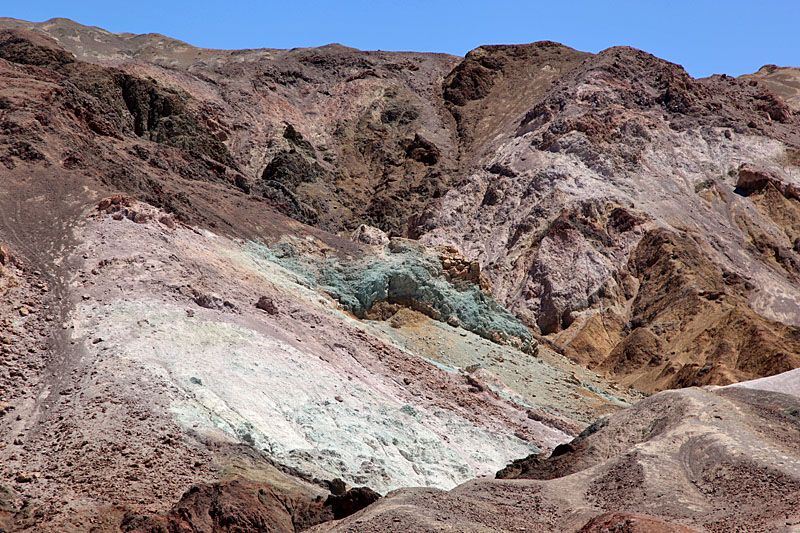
[(405, 273)]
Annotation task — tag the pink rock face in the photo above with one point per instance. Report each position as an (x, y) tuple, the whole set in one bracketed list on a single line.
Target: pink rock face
[(571, 270)]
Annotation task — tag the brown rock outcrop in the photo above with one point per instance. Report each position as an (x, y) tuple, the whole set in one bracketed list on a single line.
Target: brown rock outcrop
[(458, 268), (687, 323), (781, 81), (265, 303), (753, 179), (244, 506), (234, 506), (352, 501), (5, 257)]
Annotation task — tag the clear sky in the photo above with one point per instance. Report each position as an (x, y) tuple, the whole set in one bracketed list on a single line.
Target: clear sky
[(732, 37)]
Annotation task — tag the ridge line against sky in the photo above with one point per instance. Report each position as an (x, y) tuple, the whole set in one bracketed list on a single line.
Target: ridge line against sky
[(735, 37)]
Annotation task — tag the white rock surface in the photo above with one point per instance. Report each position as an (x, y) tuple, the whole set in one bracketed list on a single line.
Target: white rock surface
[(314, 388)]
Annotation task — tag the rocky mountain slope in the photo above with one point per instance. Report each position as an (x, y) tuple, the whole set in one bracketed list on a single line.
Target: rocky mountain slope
[(689, 460), (237, 283), (620, 215)]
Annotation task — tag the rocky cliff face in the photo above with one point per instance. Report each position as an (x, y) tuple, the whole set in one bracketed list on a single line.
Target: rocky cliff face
[(254, 272), (617, 155)]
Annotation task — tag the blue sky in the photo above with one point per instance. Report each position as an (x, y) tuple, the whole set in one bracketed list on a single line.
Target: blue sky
[(733, 37)]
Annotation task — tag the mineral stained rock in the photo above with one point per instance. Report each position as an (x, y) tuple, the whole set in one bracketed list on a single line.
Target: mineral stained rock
[(251, 272)]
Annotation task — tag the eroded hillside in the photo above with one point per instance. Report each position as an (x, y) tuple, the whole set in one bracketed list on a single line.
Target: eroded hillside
[(238, 283)]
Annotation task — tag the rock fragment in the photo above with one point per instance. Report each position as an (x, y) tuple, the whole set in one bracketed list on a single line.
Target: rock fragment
[(265, 303), (369, 235)]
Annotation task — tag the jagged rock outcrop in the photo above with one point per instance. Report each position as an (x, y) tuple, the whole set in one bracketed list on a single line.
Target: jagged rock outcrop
[(242, 505), (756, 179), (557, 204), (234, 506)]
